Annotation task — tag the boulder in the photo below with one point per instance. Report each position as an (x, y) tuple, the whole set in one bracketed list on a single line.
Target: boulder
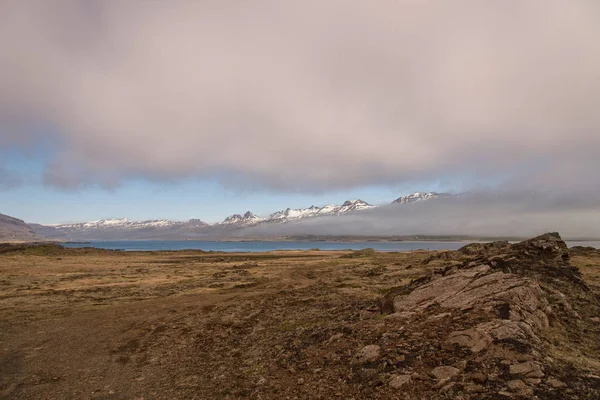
[(368, 354)]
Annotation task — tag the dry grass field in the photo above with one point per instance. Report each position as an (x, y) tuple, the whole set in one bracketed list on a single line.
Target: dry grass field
[(93, 324)]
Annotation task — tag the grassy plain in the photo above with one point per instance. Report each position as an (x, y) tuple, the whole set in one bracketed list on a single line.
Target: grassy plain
[(94, 324)]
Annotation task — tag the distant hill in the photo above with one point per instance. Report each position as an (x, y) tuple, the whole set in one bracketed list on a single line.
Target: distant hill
[(15, 229)]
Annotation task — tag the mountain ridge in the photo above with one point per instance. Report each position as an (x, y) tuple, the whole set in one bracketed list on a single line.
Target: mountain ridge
[(125, 228), (249, 218)]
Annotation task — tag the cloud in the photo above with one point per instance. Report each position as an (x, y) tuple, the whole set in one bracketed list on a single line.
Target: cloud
[(478, 214), (306, 96), (9, 179)]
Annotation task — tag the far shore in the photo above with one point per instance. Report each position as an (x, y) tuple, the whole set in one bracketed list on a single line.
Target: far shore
[(288, 239)]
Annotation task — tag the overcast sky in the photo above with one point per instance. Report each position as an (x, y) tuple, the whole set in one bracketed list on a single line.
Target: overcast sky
[(292, 101)]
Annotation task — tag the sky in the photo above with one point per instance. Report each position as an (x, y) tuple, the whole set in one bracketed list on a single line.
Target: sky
[(179, 109)]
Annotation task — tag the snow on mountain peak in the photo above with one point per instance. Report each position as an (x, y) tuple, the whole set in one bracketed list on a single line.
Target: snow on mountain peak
[(247, 219), (243, 220), (419, 196), (119, 223)]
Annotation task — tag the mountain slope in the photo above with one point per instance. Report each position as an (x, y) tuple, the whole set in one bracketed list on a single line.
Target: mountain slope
[(15, 229)]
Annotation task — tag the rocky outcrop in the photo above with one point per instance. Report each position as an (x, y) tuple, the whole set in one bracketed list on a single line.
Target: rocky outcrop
[(510, 306)]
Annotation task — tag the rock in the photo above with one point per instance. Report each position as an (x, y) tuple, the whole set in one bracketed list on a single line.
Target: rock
[(474, 388), (529, 368), (519, 387), (445, 372), (536, 374), (300, 381), (471, 338), (447, 387), (367, 354), (555, 383), (516, 385), (489, 300), (398, 381), (462, 365), (399, 359), (477, 248), (478, 377), (441, 383), (439, 316), (533, 381), (335, 337)]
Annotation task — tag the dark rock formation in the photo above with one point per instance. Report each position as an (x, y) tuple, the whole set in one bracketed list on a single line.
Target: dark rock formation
[(517, 309)]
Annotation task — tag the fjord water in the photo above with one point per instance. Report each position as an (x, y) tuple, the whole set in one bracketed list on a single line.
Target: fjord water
[(155, 245)]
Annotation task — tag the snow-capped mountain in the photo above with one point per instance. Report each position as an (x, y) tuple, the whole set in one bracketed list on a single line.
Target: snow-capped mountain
[(419, 196), (124, 228), (120, 223), (297, 213), (106, 229), (247, 219), (353, 205)]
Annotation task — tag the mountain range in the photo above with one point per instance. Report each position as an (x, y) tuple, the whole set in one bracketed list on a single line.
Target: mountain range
[(124, 228)]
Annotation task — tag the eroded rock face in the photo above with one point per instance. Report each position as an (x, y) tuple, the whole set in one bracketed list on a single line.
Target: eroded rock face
[(515, 304), (503, 298)]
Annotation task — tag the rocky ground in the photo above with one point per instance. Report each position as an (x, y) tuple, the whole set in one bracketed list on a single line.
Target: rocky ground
[(494, 321)]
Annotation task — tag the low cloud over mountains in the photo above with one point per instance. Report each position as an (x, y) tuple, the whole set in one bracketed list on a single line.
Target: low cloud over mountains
[(304, 96), (497, 214), (477, 214)]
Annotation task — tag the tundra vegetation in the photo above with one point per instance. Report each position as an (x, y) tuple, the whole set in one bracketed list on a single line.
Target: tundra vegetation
[(488, 321)]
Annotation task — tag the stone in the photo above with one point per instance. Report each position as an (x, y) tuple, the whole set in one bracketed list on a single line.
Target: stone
[(528, 368), (471, 338), (335, 337), (398, 381), (439, 316), (300, 381), (474, 388), (515, 385), (519, 387), (478, 377), (555, 383), (536, 374), (533, 381), (368, 354), (441, 383), (462, 365), (445, 372), (447, 387)]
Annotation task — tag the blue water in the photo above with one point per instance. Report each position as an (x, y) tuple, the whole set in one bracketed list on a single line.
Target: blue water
[(153, 245)]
